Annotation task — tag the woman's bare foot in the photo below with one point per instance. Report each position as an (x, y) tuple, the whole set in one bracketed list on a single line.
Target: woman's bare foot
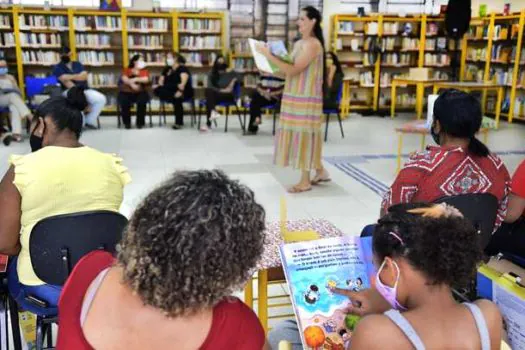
[(258, 121), (321, 176), (16, 137), (300, 187)]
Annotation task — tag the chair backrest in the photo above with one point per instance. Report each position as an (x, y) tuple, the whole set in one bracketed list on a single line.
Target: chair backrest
[(340, 94), (35, 86), (480, 208), (237, 90), (57, 243)]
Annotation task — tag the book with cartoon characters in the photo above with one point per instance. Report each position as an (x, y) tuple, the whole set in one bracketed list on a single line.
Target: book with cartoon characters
[(313, 269)]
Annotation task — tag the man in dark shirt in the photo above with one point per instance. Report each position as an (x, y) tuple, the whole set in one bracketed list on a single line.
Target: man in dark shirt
[(175, 86), (72, 73)]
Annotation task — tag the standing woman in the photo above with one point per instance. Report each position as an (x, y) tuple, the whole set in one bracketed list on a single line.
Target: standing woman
[(133, 85), (298, 141)]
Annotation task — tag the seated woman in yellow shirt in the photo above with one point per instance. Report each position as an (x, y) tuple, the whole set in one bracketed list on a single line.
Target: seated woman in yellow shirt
[(61, 176)]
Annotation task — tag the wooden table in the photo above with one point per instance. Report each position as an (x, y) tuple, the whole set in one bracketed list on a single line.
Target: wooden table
[(421, 85), (419, 127), (474, 86), (271, 259)]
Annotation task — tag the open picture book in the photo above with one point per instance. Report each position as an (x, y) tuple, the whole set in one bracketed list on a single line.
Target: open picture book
[(312, 270), (277, 48)]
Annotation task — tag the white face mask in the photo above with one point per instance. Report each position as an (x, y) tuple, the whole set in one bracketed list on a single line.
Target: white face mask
[(141, 64), (170, 61)]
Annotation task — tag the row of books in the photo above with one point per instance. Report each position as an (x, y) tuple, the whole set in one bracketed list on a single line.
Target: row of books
[(473, 73), (40, 57), (199, 59), (402, 43), (501, 32), (513, 54), (43, 22), (93, 40), (96, 58), (145, 24), (199, 25), (437, 59), (385, 79), (244, 65), (500, 76), (403, 59), (500, 53), (146, 41), (102, 79), (405, 99), (432, 29), (240, 46), (476, 54), (366, 79), (151, 58), (5, 22), (438, 44), (7, 40), (200, 42), (110, 23), (40, 39)]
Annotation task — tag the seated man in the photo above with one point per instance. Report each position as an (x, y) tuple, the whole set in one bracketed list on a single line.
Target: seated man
[(510, 237), (72, 73), (459, 164), (11, 97), (269, 90)]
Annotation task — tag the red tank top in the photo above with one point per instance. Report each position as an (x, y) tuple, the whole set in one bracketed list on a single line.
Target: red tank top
[(234, 324)]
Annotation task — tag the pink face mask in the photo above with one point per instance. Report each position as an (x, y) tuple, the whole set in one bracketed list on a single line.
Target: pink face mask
[(389, 293)]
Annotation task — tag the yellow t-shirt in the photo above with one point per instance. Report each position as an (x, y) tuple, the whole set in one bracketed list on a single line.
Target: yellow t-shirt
[(62, 180)]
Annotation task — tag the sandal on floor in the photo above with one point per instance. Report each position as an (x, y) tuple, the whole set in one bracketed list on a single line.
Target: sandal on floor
[(321, 178), (298, 189), (16, 138)]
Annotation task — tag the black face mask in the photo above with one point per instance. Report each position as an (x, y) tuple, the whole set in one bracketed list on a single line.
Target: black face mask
[(434, 134), (66, 59), (36, 141)]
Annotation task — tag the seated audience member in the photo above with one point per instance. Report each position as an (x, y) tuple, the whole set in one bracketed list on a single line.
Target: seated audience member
[(61, 176), (11, 97), (72, 73), (510, 237), (220, 89), (459, 164), (269, 90), (133, 85), (420, 251), (191, 243), (334, 81), (175, 87)]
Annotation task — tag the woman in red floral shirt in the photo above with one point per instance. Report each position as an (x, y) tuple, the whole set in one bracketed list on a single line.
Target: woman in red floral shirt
[(460, 164)]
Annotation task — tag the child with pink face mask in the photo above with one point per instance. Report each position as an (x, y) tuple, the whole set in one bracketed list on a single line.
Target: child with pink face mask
[(420, 251)]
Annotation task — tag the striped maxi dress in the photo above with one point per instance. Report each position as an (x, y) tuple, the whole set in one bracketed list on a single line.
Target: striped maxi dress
[(298, 141)]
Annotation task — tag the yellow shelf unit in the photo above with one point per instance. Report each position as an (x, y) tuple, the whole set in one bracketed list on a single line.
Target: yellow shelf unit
[(350, 37)]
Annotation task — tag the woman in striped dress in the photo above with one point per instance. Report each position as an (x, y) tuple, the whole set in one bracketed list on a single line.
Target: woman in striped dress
[(298, 141)]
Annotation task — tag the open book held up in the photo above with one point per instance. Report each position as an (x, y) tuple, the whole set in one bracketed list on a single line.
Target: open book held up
[(313, 269), (263, 64)]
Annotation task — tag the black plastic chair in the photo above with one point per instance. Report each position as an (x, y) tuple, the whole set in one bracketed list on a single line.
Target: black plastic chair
[(337, 111), (274, 107), (56, 245), (191, 101), (227, 105), (481, 209)]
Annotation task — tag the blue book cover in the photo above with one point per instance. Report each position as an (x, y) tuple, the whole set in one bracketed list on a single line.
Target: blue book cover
[(312, 269)]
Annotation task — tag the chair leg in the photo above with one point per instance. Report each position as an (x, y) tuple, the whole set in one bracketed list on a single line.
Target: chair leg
[(192, 113), (15, 323), (118, 116), (243, 124), (227, 115), (39, 333), (49, 335), (341, 125), (327, 116), (98, 122), (274, 120), (150, 116)]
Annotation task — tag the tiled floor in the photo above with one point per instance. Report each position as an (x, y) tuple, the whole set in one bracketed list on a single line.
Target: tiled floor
[(151, 154)]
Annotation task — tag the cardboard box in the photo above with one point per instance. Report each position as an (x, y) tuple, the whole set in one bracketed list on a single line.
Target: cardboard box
[(419, 73)]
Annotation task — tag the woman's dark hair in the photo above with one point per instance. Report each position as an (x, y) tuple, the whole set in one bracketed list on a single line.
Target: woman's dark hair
[(180, 59), (65, 111), (434, 239), (337, 64), (459, 115), (192, 242), (313, 13), (134, 59), (215, 69)]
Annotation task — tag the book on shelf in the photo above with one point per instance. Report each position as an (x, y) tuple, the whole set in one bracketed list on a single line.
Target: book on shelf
[(40, 57), (199, 25), (146, 41), (5, 22), (36, 22), (199, 59), (8, 40), (243, 65), (102, 79), (103, 23), (96, 58), (241, 46), (93, 40), (313, 269), (147, 24), (200, 42), (40, 39), (151, 58), (276, 47)]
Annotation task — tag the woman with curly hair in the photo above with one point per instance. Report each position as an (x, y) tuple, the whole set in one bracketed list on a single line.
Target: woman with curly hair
[(421, 252), (191, 243)]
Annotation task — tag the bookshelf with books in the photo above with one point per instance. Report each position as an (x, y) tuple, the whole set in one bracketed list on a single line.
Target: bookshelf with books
[(39, 35), (8, 40), (352, 38), (438, 50)]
